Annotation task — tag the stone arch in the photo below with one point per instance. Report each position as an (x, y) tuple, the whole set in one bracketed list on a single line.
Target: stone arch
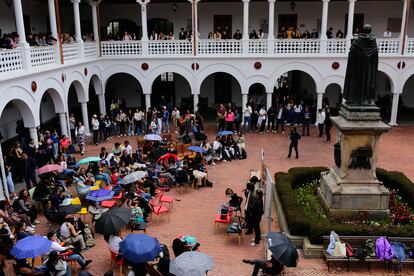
[(78, 81), (174, 68), (122, 68), (55, 89), (333, 96), (96, 82), (24, 102), (336, 79), (390, 72), (266, 82), (221, 68), (299, 66)]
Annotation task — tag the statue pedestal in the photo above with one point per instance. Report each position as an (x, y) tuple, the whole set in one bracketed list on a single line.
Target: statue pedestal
[(352, 187)]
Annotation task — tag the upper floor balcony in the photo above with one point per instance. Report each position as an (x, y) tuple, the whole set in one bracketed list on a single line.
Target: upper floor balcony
[(48, 57)]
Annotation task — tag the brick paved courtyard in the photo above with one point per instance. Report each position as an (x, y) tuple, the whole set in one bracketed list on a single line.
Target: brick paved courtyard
[(194, 213)]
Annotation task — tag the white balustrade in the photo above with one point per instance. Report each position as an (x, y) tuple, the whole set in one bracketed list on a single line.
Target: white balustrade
[(297, 46), (388, 46), (220, 47), (258, 46), (336, 47), (121, 48), (170, 47), (409, 47), (41, 56), (10, 60), (70, 52), (91, 50)]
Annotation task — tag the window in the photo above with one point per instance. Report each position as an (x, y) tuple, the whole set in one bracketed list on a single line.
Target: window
[(167, 76)]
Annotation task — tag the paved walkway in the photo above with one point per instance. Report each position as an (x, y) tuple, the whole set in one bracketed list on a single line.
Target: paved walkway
[(194, 213)]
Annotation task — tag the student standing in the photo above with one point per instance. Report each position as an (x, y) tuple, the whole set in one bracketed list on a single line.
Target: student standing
[(320, 120), (294, 137), (328, 123)]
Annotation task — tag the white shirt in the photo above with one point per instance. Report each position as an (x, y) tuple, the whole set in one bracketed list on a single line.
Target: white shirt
[(297, 108), (81, 130), (95, 124), (128, 149), (248, 111), (138, 116), (387, 34), (114, 242), (216, 145), (320, 117), (175, 113), (55, 246), (262, 114)]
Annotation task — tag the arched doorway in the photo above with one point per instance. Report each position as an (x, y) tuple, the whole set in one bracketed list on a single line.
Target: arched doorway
[(384, 100), (220, 88), (116, 28), (51, 105), (333, 97), (171, 89), (160, 25), (125, 89), (406, 102), (257, 94), (74, 105), (93, 89)]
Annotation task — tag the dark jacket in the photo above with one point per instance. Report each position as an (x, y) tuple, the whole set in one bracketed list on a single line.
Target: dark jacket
[(294, 137), (30, 165), (256, 210)]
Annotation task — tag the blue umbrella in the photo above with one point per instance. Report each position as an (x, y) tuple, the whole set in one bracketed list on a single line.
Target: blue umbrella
[(31, 247), (197, 149), (89, 159), (139, 248), (225, 132), (100, 195)]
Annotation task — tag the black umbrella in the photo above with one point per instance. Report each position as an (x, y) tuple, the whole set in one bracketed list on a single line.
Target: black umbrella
[(69, 209), (282, 249), (113, 221)]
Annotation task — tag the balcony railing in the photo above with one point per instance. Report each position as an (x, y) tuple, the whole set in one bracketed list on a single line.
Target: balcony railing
[(41, 56), (13, 60), (10, 60)]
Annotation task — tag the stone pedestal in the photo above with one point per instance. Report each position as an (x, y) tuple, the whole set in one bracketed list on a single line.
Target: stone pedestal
[(352, 187)]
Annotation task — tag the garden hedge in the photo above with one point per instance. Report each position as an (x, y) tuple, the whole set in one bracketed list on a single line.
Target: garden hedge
[(314, 228)]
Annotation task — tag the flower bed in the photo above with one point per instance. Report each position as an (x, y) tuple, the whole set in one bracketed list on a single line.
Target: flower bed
[(306, 217)]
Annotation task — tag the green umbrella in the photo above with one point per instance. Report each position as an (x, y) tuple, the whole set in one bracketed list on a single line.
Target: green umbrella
[(89, 159)]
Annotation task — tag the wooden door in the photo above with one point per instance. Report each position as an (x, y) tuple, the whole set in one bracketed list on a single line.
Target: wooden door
[(222, 88), (287, 20), (223, 22)]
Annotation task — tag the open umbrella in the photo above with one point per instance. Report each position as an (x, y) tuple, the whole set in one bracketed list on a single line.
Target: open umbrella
[(152, 137), (31, 247), (225, 132), (191, 263), (133, 177), (282, 249), (167, 156), (100, 195), (50, 168), (89, 159), (113, 220), (69, 210), (139, 248), (197, 149)]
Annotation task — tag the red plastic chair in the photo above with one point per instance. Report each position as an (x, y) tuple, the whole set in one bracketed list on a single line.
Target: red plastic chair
[(166, 199), (224, 218), (159, 209), (119, 262), (108, 203)]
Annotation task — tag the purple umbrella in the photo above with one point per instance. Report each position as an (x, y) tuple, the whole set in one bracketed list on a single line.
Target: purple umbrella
[(31, 247), (100, 195)]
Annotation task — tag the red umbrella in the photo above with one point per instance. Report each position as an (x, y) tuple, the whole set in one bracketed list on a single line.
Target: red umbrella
[(167, 156), (50, 168)]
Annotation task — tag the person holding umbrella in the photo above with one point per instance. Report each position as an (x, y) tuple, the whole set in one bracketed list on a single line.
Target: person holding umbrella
[(271, 267)]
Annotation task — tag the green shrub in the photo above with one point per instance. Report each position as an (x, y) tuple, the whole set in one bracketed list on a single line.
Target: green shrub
[(315, 227)]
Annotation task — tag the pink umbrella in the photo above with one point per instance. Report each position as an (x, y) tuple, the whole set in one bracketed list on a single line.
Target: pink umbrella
[(50, 168)]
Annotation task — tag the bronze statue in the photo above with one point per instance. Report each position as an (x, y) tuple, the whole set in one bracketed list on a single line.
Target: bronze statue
[(360, 87)]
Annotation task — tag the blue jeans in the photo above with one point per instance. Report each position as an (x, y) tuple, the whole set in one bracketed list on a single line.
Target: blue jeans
[(55, 150), (247, 120), (78, 258), (10, 183)]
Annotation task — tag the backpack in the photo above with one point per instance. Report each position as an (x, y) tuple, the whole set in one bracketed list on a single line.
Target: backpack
[(360, 254), (370, 248), (89, 240), (349, 250)]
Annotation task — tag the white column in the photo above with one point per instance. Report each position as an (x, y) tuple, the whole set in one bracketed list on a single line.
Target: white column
[(85, 117), (95, 20), (244, 102), (394, 110), (63, 124), (147, 101), (269, 99), (195, 101), (144, 19), (271, 33), (319, 100), (33, 135), (3, 175), (403, 18), (18, 15), (53, 27), (324, 23), (76, 18), (350, 27), (246, 19), (101, 99)]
